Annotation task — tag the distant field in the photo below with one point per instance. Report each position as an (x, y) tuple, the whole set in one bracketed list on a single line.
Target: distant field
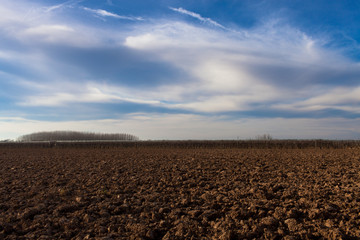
[(180, 190)]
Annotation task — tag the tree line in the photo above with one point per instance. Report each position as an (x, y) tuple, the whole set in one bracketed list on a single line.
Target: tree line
[(76, 136)]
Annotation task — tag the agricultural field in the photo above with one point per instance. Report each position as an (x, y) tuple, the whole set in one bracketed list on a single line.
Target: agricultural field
[(158, 192)]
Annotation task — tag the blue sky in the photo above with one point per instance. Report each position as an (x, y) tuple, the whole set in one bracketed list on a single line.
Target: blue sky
[(181, 69)]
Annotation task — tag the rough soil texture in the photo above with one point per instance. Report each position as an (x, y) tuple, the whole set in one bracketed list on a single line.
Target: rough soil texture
[(149, 193)]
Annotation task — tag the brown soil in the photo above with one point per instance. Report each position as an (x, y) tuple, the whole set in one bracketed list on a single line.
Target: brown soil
[(149, 193)]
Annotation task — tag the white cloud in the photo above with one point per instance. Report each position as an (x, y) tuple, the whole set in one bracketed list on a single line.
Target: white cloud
[(227, 72), (90, 93), (48, 29), (197, 16), (340, 98), (32, 24), (234, 72), (343, 96), (66, 4), (104, 13), (63, 33), (50, 33)]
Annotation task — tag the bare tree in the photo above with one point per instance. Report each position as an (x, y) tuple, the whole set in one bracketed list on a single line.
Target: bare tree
[(264, 137)]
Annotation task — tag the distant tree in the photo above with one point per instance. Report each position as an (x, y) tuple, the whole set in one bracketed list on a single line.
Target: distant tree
[(76, 136), (264, 137)]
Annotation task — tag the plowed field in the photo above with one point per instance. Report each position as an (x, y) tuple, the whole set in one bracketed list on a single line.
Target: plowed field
[(168, 193)]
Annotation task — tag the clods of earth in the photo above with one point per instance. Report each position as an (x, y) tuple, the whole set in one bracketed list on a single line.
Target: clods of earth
[(168, 193)]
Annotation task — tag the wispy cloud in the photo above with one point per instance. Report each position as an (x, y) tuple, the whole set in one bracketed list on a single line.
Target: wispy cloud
[(104, 13), (70, 3), (198, 16), (91, 93), (42, 29), (27, 25), (338, 98), (256, 71)]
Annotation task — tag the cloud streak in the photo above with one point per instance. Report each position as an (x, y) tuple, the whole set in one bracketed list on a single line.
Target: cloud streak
[(87, 94), (66, 4), (104, 13), (197, 16)]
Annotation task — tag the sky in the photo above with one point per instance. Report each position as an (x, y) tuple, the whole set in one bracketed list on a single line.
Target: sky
[(180, 69)]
